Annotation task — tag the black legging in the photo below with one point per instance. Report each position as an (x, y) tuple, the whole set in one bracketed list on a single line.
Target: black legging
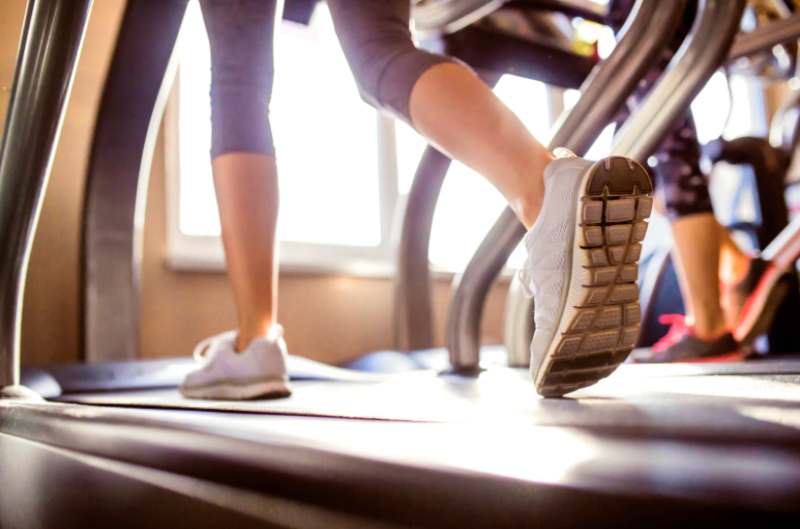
[(377, 42)]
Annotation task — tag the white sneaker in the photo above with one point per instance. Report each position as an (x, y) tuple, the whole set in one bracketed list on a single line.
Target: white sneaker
[(582, 266), (257, 372)]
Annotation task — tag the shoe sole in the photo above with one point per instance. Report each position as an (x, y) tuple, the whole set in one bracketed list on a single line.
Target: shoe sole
[(654, 358), (761, 306), (600, 317), (272, 389)]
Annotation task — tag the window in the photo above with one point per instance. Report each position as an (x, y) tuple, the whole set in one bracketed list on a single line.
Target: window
[(343, 167), (336, 196)]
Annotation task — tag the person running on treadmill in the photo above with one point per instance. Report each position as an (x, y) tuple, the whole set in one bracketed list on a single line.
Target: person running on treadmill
[(584, 219)]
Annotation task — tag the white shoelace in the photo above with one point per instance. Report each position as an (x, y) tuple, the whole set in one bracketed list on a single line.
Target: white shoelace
[(202, 348)]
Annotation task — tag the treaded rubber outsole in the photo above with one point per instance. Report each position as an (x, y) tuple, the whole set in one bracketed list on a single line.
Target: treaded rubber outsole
[(598, 332), (265, 389)]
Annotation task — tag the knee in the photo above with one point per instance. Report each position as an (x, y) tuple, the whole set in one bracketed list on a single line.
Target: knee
[(241, 89), (387, 78), (386, 65), (375, 63), (240, 41), (240, 99)]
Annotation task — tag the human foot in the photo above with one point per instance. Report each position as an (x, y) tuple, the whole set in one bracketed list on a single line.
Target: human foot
[(682, 344), (583, 253), (258, 371)]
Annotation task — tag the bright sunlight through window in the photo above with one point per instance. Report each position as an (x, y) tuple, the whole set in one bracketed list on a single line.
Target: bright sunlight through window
[(339, 183), (325, 136), (327, 146)]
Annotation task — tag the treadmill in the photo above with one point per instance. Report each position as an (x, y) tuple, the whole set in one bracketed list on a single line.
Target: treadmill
[(112, 444)]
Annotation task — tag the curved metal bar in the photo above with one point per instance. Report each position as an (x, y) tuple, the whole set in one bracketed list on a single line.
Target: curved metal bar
[(784, 250), (550, 60), (769, 165), (703, 51), (413, 297), (699, 56), (130, 114), (413, 291), (765, 37), (448, 16), (643, 38), (51, 38), (784, 131)]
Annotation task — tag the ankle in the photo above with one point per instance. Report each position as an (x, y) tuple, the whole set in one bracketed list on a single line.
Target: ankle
[(528, 204), (246, 334), (734, 270), (709, 328), (243, 340), (528, 209)]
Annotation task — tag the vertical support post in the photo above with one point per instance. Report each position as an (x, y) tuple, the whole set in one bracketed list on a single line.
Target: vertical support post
[(135, 95), (413, 289), (49, 47)]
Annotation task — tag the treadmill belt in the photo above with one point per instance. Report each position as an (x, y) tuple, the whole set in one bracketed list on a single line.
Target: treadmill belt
[(684, 402)]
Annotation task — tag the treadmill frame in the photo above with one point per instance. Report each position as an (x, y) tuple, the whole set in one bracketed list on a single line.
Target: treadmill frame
[(603, 95), (51, 40), (705, 48)]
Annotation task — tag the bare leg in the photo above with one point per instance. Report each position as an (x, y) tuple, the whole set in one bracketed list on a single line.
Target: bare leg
[(247, 193), (697, 244), (458, 112)]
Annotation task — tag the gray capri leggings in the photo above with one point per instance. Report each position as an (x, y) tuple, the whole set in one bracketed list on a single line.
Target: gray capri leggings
[(376, 39)]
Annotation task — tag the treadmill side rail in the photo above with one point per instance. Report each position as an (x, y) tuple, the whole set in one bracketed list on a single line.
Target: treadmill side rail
[(290, 480), (134, 98), (643, 38), (51, 39)]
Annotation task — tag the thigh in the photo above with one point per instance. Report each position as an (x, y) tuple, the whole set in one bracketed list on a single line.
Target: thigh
[(240, 35)]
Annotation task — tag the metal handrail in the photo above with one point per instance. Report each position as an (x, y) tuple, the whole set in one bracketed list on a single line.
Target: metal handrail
[(448, 16), (702, 52), (765, 37), (413, 287), (135, 94), (642, 40), (51, 39)]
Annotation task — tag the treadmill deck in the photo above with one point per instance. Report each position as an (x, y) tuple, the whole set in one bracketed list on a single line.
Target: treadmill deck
[(736, 401), (701, 442)]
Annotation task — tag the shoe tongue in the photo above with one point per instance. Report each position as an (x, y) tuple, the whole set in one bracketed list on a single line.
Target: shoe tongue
[(571, 165), (218, 347)]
